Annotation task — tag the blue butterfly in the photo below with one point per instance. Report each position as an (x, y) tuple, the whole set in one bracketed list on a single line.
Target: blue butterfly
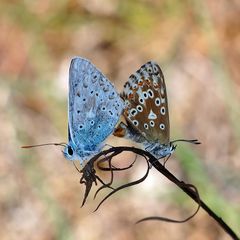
[(94, 109)]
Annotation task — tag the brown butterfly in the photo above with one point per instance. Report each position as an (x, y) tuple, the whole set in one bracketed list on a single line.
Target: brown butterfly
[(146, 111)]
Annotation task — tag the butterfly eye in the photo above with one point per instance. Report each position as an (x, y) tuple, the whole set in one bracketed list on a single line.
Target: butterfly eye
[(70, 151)]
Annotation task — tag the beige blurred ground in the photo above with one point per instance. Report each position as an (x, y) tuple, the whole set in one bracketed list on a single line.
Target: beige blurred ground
[(197, 44)]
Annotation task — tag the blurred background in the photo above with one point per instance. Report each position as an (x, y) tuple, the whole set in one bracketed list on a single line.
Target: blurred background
[(196, 43)]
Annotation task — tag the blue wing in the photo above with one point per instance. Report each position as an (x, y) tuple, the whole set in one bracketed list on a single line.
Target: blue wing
[(94, 105)]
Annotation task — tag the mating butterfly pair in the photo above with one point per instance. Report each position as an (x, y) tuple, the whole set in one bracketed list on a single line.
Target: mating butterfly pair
[(95, 108)]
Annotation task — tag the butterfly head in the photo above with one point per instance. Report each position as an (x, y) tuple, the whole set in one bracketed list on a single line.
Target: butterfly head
[(71, 152), (160, 150)]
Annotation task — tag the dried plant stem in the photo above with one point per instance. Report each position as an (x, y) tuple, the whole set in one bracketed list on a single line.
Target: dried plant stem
[(160, 168)]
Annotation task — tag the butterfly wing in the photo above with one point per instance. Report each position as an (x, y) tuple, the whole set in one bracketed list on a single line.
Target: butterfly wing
[(146, 103), (94, 105)]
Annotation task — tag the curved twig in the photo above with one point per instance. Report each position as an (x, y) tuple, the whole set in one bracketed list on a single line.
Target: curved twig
[(173, 220), (160, 168), (125, 185)]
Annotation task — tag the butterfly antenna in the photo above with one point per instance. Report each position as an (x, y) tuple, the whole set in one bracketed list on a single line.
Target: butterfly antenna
[(193, 141), (45, 144)]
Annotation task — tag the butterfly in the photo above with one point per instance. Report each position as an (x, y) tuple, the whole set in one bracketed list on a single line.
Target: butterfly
[(94, 109), (146, 111)]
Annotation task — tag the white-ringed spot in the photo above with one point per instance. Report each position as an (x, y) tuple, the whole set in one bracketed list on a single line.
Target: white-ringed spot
[(133, 112), (157, 102), (145, 95), (81, 126), (155, 69), (145, 125), (162, 126), (149, 69), (134, 86), (135, 122), (139, 108), (92, 122), (150, 93), (162, 110), (152, 123), (141, 100)]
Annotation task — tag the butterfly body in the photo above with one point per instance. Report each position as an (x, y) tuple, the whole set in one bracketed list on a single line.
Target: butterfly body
[(94, 108), (146, 111)]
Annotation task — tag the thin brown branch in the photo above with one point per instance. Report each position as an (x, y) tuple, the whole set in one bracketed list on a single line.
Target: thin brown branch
[(187, 188)]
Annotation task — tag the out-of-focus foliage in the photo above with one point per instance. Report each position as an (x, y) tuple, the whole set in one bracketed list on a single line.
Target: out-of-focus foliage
[(197, 44)]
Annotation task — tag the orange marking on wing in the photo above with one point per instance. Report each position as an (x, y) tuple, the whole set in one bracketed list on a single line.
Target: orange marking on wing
[(130, 95), (119, 132)]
